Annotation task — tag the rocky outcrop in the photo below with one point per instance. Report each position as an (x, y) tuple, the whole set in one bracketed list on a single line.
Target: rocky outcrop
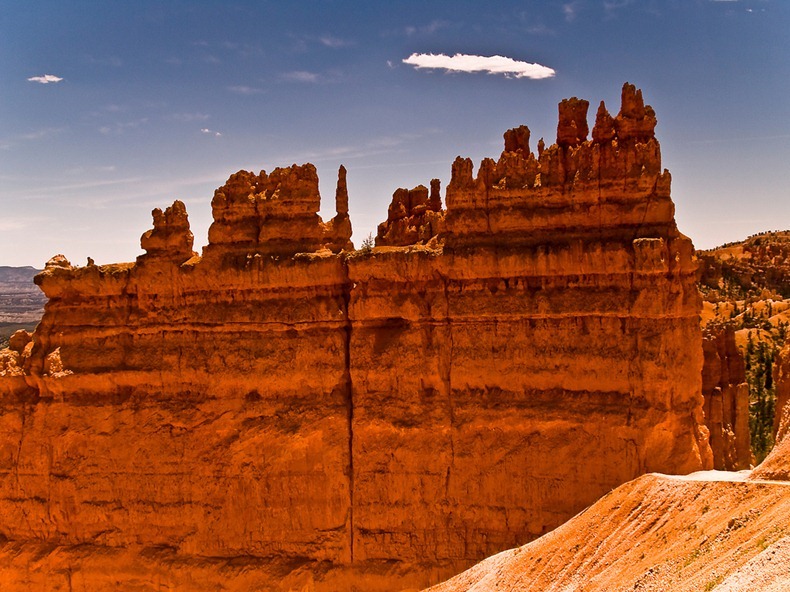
[(275, 215), (277, 414), (170, 239), (608, 190), (758, 267), (414, 217), (726, 395)]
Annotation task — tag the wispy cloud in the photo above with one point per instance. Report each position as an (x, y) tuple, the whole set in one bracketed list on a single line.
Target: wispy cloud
[(612, 6), (376, 146), (475, 63), (119, 127), (569, 10), (301, 76), (334, 42), (540, 29), (246, 90), (189, 117), (45, 79), (46, 132), (211, 132), (428, 29), (41, 133)]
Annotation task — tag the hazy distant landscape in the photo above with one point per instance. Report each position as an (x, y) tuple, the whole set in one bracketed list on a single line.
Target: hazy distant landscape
[(21, 301)]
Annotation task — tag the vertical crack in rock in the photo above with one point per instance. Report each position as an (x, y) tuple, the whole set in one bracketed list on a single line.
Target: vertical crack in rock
[(349, 392), (446, 373)]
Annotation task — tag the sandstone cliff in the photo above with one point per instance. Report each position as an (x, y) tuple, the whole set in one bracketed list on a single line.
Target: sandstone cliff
[(655, 534), (280, 413), (726, 395)]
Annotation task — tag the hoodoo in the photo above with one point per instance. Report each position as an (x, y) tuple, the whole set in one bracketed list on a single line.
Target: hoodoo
[(287, 413)]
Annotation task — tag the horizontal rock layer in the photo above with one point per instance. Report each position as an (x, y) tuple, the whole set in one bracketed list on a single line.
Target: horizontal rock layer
[(379, 419)]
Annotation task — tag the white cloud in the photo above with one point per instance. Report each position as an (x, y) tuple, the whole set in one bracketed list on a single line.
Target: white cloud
[(45, 79), (569, 10), (205, 130), (301, 76), (474, 63)]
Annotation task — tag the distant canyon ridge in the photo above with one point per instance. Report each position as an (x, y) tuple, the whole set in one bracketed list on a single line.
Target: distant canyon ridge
[(284, 412)]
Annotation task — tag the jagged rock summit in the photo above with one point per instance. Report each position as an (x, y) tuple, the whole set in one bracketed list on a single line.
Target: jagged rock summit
[(285, 413)]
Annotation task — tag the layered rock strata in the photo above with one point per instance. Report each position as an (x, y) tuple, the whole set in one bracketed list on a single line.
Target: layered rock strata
[(726, 395), (281, 414)]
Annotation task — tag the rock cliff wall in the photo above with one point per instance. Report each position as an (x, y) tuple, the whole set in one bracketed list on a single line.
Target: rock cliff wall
[(283, 413), (726, 395)]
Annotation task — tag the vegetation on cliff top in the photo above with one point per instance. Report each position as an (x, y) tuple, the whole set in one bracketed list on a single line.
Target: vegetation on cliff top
[(746, 286)]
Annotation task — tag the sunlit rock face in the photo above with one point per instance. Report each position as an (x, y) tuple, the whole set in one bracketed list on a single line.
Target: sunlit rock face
[(285, 413), (726, 395)]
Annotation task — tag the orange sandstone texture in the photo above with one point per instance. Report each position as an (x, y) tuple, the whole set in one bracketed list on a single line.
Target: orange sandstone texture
[(726, 395), (655, 534), (283, 414)]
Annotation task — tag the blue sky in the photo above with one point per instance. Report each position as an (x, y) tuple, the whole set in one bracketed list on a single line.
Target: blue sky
[(164, 100)]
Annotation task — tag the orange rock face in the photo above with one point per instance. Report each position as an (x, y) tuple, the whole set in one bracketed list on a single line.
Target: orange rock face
[(656, 533), (281, 414), (726, 395)]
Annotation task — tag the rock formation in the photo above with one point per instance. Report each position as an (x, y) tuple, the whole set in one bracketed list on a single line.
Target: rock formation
[(282, 415), (414, 216), (656, 533), (758, 267), (726, 395), (170, 238), (275, 215), (782, 423)]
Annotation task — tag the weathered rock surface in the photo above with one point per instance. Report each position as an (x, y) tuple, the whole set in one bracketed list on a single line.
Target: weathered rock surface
[(710, 531), (275, 214), (170, 238), (782, 424), (414, 216), (726, 395), (275, 415), (777, 463)]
